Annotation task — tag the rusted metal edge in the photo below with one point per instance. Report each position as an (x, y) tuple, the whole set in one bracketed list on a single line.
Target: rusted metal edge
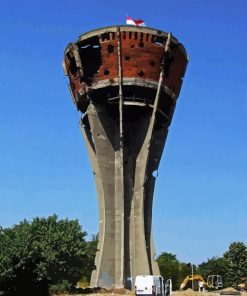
[(123, 28), (132, 81), (128, 28)]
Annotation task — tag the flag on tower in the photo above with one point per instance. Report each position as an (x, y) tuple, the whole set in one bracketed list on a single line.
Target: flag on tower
[(130, 21)]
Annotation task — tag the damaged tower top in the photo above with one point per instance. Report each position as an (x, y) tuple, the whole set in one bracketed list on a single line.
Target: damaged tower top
[(125, 80)]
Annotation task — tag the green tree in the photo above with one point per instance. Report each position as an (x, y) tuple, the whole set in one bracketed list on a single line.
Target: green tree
[(236, 263), (36, 255), (215, 265), (91, 250), (169, 268), (184, 270)]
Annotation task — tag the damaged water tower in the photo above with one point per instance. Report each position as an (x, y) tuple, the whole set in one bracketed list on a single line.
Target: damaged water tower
[(125, 81)]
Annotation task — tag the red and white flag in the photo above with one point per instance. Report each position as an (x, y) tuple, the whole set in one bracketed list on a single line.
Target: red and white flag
[(130, 21)]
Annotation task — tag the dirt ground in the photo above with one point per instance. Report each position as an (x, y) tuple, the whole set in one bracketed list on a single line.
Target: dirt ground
[(121, 292), (190, 292)]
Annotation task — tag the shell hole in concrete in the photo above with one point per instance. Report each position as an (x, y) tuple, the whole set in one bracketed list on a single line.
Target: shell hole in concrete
[(105, 36), (159, 40), (90, 55), (155, 173), (72, 64), (141, 73), (158, 43), (152, 63), (85, 46), (85, 123), (110, 48), (167, 60), (106, 72), (127, 58), (132, 46)]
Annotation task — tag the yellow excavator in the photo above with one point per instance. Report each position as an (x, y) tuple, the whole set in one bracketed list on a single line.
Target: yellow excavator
[(214, 282)]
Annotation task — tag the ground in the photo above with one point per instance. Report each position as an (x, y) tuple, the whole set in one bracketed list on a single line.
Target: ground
[(122, 292)]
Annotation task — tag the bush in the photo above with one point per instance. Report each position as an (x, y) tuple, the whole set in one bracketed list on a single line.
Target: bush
[(34, 256), (61, 287)]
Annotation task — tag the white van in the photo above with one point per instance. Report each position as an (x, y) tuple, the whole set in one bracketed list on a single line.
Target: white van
[(146, 285)]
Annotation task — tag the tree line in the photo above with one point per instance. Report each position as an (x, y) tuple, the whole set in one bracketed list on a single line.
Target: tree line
[(48, 255), (231, 266), (44, 256)]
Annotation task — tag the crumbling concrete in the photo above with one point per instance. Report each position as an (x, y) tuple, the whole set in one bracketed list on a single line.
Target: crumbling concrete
[(125, 80)]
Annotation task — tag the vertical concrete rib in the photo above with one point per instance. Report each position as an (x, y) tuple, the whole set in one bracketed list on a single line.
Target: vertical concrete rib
[(88, 138), (143, 201), (119, 183), (104, 130)]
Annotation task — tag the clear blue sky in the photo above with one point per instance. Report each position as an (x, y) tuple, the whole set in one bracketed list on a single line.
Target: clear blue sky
[(200, 202)]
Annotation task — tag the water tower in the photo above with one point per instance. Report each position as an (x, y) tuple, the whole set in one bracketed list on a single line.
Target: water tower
[(125, 81)]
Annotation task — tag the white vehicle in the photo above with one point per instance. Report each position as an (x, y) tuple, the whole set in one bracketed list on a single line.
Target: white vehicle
[(146, 285)]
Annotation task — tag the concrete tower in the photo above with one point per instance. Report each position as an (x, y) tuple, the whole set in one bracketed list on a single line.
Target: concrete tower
[(125, 80)]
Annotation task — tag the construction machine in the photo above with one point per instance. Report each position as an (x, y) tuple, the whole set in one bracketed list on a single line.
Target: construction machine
[(192, 281), (243, 285), (214, 282)]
